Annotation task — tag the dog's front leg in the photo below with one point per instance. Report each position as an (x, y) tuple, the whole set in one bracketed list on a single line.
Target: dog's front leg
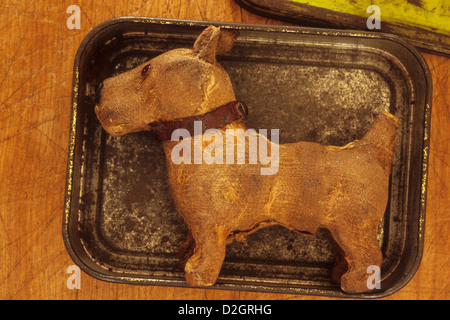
[(203, 267), (186, 249)]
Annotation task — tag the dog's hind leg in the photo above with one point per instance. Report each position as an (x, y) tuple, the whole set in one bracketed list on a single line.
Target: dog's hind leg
[(340, 265), (361, 250), (203, 267)]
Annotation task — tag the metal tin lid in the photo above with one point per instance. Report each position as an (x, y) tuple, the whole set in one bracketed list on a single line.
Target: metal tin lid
[(424, 23)]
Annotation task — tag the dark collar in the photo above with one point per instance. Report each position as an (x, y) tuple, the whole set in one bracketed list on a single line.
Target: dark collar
[(215, 119)]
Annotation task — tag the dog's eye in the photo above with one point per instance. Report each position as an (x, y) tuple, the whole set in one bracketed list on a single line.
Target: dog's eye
[(145, 70)]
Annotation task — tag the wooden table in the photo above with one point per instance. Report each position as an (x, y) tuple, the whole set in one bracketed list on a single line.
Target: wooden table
[(38, 51)]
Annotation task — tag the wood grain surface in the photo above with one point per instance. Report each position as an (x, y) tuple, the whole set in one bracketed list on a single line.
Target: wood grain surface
[(38, 51)]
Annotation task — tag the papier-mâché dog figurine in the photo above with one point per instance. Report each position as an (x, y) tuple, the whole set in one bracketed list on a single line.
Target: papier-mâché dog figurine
[(341, 189)]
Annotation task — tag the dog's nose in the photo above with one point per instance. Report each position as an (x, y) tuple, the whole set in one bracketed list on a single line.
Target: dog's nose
[(98, 92)]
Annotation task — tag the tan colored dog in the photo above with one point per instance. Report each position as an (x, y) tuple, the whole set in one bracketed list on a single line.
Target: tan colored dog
[(341, 189)]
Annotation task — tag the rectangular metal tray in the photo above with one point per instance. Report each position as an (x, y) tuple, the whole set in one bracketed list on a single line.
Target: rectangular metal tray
[(120, 223)]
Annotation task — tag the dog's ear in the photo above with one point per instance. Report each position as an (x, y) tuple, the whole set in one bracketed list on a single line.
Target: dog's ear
[(213, 41)]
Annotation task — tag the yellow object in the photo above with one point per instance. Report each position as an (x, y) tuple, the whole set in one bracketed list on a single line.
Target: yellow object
[(432, 15)]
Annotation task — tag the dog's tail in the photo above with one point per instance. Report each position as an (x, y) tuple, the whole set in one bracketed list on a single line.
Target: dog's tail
[(380, 140)]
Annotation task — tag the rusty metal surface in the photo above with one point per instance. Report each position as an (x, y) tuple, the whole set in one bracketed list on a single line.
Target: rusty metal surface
[(317, 85)]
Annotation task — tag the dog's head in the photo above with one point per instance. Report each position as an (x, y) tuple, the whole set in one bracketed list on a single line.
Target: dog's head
[(177, 84)]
